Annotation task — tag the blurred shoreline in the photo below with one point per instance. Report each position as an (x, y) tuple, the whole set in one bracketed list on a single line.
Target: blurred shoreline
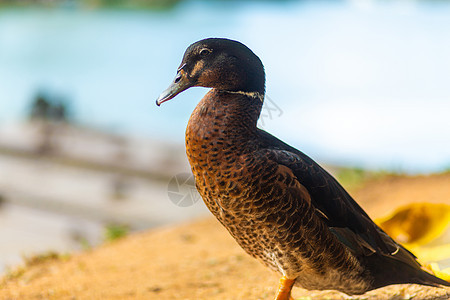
[(62, 185)]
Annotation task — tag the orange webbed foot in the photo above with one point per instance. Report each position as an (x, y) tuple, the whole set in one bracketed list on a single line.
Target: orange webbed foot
[(284, 289)]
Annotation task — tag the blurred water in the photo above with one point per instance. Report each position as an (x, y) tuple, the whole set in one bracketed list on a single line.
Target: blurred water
[(364, 84)]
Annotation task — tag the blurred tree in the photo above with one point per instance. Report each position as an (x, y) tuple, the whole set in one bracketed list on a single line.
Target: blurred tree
[(46, 107), (40, 108), (48, 112), (149, 4), (60, 112)]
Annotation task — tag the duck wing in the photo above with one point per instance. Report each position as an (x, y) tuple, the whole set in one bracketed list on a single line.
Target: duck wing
[(343, 216)]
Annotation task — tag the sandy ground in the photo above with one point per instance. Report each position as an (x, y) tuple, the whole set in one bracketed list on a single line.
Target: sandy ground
[(200, 260)]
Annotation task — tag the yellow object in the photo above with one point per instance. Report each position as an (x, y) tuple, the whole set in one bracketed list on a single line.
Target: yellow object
[(423, 228), (417, 224), (444, 274), (432, 253)]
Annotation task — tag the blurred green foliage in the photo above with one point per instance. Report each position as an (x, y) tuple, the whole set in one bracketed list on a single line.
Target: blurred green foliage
[(43, 257), (30, 261), (115, 231), (136, 4), (48, 108), (354, 178)]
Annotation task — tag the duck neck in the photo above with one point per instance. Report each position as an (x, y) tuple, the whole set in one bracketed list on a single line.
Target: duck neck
[(227, 115), (239, 109)]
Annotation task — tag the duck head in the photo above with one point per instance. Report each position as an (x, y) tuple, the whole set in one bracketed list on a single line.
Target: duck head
[(222, 64)]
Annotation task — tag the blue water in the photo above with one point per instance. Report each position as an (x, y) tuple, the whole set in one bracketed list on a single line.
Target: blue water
[(365, 85)]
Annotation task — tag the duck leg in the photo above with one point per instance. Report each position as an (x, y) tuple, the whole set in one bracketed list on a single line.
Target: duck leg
[(284, 289)]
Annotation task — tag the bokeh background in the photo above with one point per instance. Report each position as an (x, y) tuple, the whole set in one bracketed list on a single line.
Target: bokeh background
[(85, 154)]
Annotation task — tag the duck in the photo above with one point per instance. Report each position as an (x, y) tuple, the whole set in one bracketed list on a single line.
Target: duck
[(279, 205)]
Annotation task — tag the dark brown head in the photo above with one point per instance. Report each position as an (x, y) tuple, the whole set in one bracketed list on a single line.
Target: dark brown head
[(222, 64)]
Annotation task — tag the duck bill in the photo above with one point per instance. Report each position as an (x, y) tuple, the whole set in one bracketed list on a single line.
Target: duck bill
[(180, 84)]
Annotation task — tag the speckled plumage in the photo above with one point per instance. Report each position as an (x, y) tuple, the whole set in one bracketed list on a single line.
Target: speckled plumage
[(259, 201), (280, 206)]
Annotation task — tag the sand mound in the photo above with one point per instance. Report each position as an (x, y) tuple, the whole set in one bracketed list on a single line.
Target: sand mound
[(200, 260)]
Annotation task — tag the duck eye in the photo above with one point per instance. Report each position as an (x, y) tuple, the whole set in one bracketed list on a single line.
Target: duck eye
[(204, 52)]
